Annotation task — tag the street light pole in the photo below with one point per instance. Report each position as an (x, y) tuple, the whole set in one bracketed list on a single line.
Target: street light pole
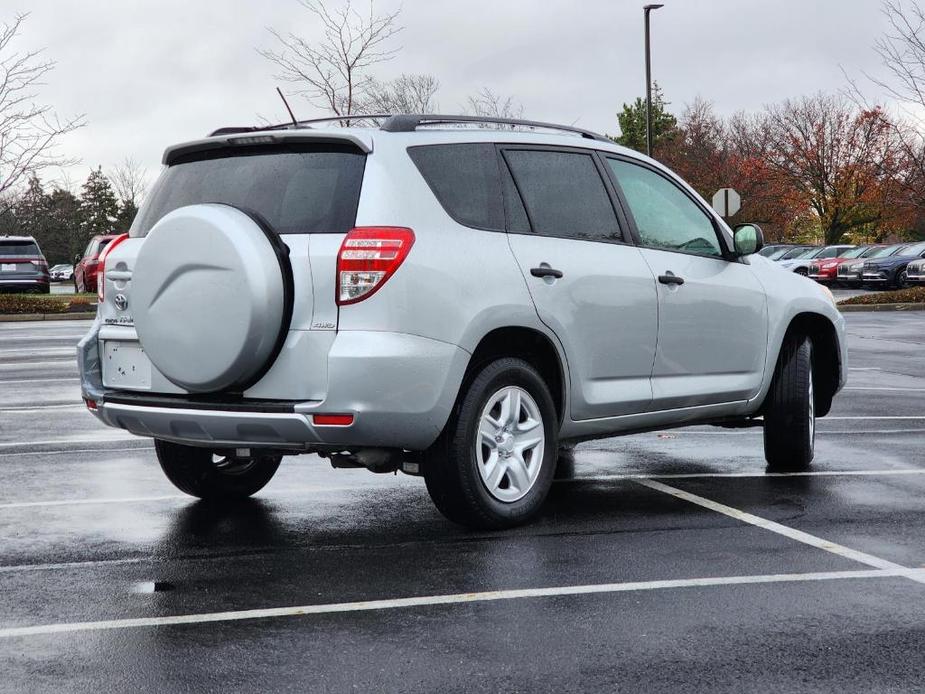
[(646, 10)]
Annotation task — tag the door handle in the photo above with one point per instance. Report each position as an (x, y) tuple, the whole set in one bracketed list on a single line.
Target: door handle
[(670, 278), (545, 271)]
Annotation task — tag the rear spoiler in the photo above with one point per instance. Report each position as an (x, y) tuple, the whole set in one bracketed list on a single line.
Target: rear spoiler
[(361, 141)]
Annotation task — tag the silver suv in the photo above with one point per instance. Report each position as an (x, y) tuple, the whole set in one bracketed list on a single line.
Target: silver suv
[(446, 299)]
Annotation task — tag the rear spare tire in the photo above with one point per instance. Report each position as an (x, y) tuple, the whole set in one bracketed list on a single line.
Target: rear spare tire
[(198, 472), (212, 297)]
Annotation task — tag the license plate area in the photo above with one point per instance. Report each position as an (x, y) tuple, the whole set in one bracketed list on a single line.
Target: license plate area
[(125, 365), (8, 267)]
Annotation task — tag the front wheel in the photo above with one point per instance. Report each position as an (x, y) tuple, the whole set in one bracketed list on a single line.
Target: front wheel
[(902, 281), (201, 473), (493, 465), (790, 409)]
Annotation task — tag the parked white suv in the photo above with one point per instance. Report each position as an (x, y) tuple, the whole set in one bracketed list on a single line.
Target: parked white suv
[(444, 299)]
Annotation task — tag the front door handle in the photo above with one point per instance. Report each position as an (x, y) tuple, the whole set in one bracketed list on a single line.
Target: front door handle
[(670, 278), (545, 271)]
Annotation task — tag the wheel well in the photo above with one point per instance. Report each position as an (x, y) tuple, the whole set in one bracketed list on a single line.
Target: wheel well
[(530, 345), (826, 355)]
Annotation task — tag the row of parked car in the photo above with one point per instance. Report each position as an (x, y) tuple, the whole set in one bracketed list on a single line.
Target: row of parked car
[(873, 266), (23, 267)]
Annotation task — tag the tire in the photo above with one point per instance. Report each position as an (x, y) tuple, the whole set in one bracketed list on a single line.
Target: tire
[(192, 471), (464, 485), (790, 413), (902, 281), (802, 271)]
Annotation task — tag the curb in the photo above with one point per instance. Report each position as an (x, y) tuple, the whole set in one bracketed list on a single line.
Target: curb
[(23, 317), (849, 308)]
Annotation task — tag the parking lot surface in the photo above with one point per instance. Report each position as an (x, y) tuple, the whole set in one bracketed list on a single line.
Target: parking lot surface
[(668, 560)]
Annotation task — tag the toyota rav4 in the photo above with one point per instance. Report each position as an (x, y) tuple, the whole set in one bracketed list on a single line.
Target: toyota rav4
[(445, 297)]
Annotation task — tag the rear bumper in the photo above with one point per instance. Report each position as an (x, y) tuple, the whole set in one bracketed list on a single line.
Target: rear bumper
[(24, 283), (399, 388)]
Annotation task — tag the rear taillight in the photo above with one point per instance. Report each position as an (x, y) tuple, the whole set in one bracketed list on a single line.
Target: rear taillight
[(40, 264), (367, 258), (101, 265)]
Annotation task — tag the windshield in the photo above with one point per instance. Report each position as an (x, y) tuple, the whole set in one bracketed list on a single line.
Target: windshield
[(797, 253), (779, 253), (769, 251), (297, 189), (858, 252), (912, 251), (829, 252)]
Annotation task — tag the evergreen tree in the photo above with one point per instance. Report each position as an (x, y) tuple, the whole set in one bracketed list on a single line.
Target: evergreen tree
[(32, 210), (633, 123), (65, 234), (99, 207), (127, 211)]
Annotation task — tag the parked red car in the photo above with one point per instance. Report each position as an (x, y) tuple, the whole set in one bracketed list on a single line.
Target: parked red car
[(87, 265)]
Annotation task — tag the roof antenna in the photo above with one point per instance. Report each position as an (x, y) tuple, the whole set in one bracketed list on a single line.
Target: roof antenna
[(295, 123)]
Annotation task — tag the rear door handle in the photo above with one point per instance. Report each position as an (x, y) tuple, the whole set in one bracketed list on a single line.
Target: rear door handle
[(545, 271), (670, 278)]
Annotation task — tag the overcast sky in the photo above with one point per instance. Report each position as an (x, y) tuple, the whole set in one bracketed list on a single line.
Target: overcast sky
[(148, 73)]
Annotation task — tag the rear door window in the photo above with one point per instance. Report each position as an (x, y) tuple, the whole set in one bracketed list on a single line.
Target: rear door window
[(564, 194), (465, 180), (297, 189)]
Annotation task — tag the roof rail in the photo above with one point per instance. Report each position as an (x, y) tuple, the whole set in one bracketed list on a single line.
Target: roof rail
[(409, 123), (406, 123)]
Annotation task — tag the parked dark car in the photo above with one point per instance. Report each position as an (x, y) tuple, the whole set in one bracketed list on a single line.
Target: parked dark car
[(890, 272), (23, 268), (87, 265)]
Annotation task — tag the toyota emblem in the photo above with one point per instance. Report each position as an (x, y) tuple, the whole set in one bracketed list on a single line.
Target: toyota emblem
[(121, 302)]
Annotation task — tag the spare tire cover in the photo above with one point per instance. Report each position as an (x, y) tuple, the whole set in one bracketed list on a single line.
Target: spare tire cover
[(208, 292)]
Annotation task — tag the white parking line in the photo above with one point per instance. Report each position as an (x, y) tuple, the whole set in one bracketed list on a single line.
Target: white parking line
[(59, 442), (786, 531), (450, 599), (41, 380), (757, 474), (59, 451), (901, 390), (42, 408)]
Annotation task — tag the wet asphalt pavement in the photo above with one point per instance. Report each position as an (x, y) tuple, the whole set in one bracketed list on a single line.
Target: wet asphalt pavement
[(813, 582)]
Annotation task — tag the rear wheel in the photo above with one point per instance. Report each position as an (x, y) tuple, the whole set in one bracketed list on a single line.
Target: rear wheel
[(790, 412), (493, 464), (199, 472)]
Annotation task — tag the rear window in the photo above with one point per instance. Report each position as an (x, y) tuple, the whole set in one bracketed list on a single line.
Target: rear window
[(297, 189), (19, 248), (465, 180)]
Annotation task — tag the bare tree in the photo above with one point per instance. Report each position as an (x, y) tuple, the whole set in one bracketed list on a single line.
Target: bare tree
[(331, 71), (902, 50), (489, 104), (29, 132), (404, 94), (129, 180)]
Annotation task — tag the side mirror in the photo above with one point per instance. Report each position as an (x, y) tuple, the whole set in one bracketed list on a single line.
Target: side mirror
[(748, 239)]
